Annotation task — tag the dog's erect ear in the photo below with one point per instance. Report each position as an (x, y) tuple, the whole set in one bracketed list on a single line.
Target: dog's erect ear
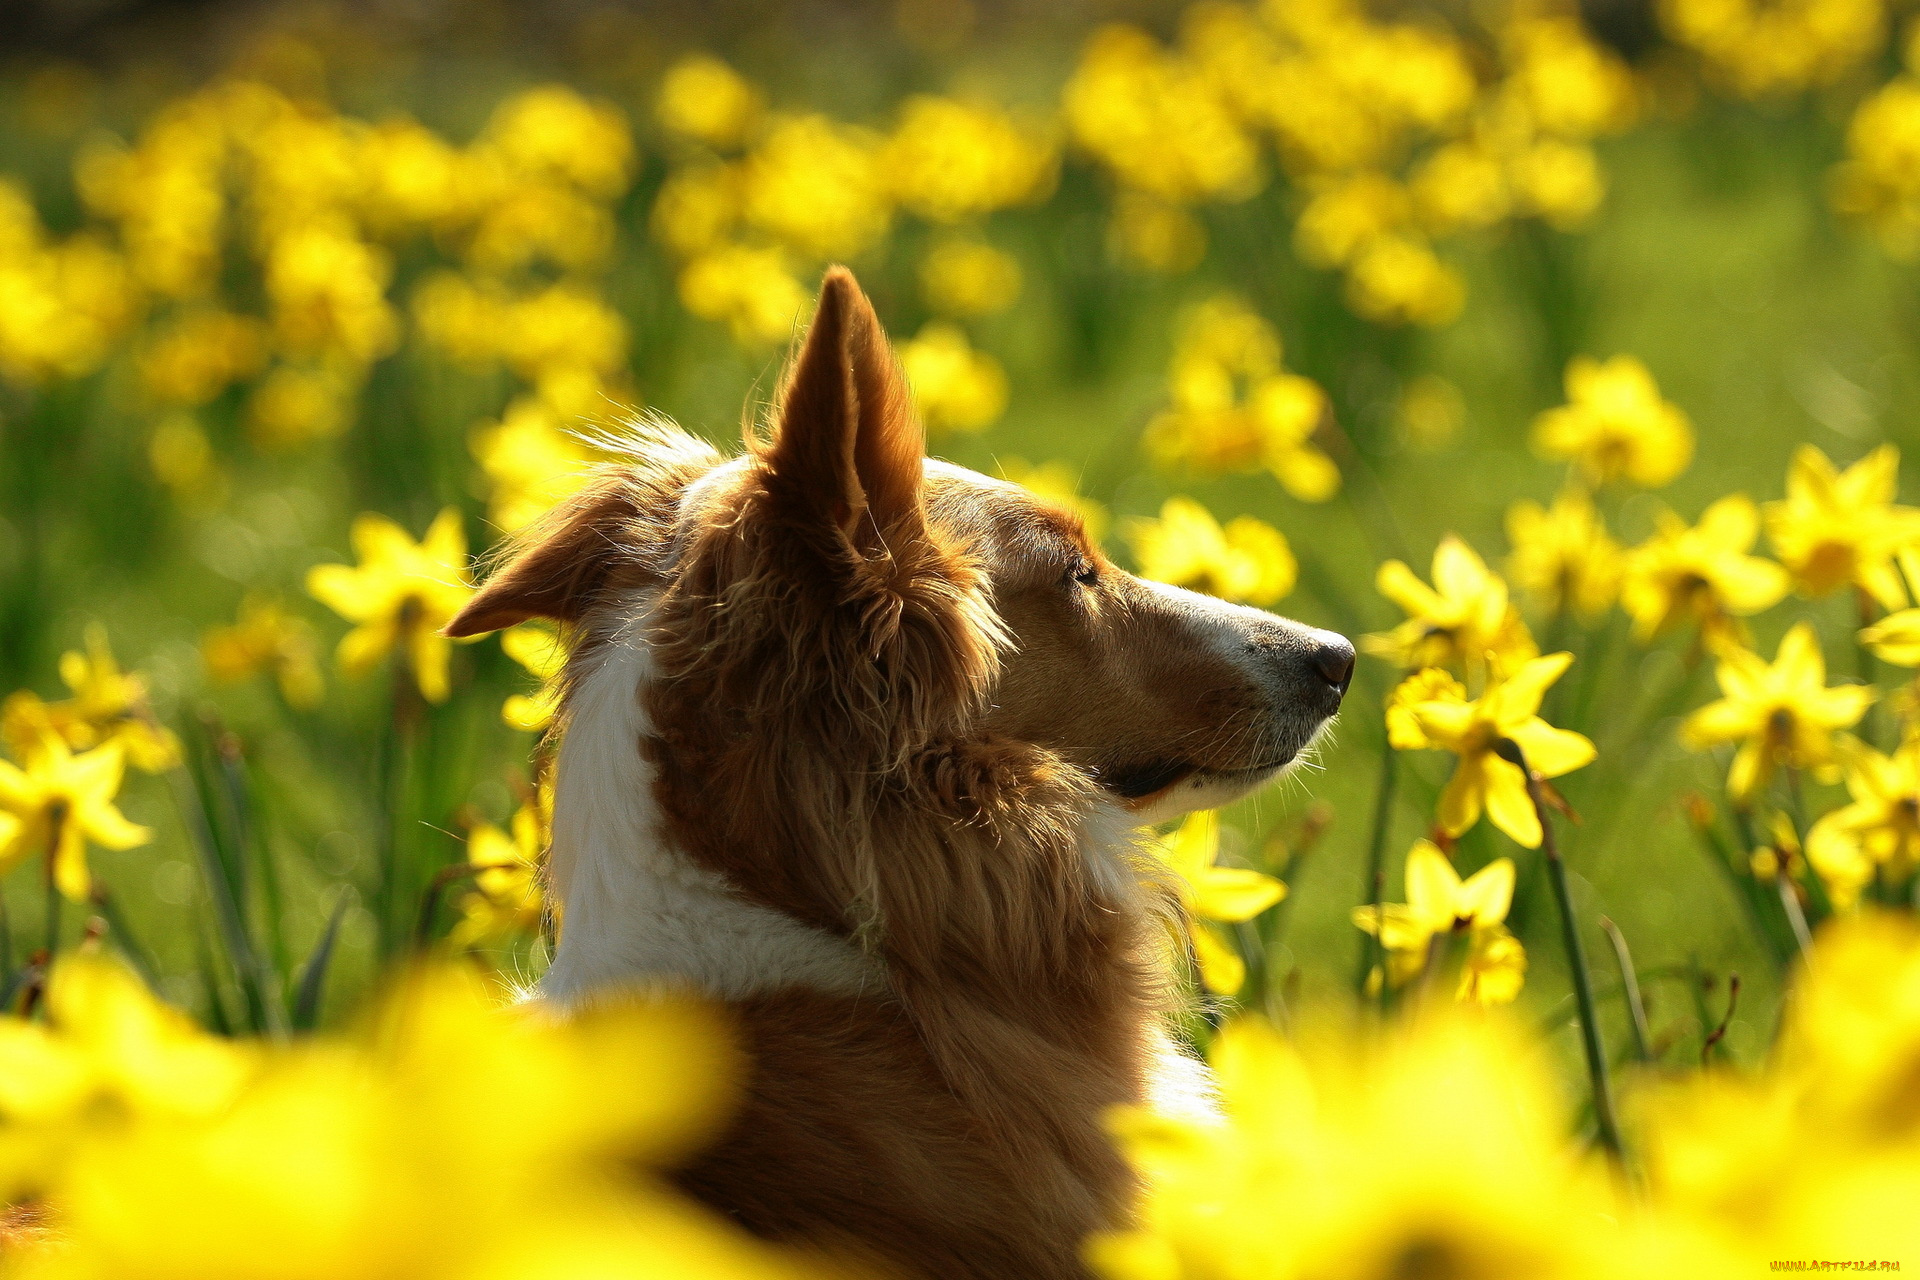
[(561, 566), (848, 448)]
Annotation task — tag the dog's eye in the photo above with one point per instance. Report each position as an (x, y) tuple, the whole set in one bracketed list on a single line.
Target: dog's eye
[(1085, 572)]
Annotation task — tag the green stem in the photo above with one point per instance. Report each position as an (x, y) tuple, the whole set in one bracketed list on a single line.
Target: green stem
[(1376, 883), (1509, 751), (1630, 987)]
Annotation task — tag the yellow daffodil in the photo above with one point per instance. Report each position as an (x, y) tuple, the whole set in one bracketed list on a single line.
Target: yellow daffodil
[(1615, 426), (1213, 893), (1482, 780), (1438, 904), (1234, 407), (1429, 684), (703, 98), (1563, 556), (955, 387), (1247, 560), (108, 705), (1703, 573), (1457, 622), (537, 649), (399, 596), (1841, 527), (266, 637), (506, 899), (1879, 832), (1058, 483), (966, 278), (1783, 714), (59, 802), (531, 463)]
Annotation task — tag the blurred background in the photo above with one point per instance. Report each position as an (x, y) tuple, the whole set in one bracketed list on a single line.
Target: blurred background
[(1276, 293)]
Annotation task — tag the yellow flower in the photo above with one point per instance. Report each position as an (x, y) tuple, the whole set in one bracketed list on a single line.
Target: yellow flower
[(537, 650), (708, 101), (1879, 829), (1347, 214), (752, 290), (1782, 715), (1563, 555), (400, 595), (294, 405), (1456, 622), (1398, 279), (955, 387), (1841, 527), (1429, 684), (1879, 182), (817, 187), (530, 463), (200, 354), (698, 207), (964, 277), (1703, 573), (107, 706), (506, 900), (951, 160), (1895, 638), (266, 637), (1439, 903), (59, 802), (1482, 780), (1249, 560), (328, 294), (1615, 426), (552, 132), (1212, 893), (1150, 234), (1234, 409), (1058, 483)]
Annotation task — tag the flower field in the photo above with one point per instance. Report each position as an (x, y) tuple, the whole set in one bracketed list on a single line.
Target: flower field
[(1567, 367)]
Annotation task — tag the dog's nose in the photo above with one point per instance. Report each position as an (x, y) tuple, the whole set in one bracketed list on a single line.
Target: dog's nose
[(1332, 656)]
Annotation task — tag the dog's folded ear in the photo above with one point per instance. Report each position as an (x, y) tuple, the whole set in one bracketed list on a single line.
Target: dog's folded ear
[(847, 451), (560, 566)]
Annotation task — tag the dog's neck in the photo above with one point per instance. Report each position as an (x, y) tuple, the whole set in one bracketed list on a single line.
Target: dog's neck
[(637, 911)]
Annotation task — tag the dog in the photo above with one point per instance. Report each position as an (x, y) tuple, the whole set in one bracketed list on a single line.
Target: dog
[(858, 743)]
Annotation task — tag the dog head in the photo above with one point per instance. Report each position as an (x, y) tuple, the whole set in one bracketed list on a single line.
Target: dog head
[(841, 597)]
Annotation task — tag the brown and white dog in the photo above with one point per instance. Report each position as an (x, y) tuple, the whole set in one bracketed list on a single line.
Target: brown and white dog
[(857, 742)]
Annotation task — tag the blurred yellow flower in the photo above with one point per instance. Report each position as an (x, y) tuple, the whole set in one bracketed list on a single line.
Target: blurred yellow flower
[(817, 187), (266, 637), (1249, 560), (1615, 426), (552, 131), (1058, 483), (1703, 573), (1398, 279), (704, 99), (955, 387), (1509, 709), (58, 803), (751, 290), (1210, 893), (1463, 617), (1879, 181), (965, 277), (1783, 715), (107, 706), (1563, 555), (295, 405), (1480, 1181), (1346, 214), (399, 596), (200, 353), (1842, 527), (950, 160), (1895, 638), (1430, 412), (1147, 232), (1769, 47), (538, 651), (530, 463), (1235, 410), (1878, 833), (1440, 904), (506, 900), (697, 208), (327, 291)]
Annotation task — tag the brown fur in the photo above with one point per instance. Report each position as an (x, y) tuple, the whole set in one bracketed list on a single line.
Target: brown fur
[(841, 731)]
